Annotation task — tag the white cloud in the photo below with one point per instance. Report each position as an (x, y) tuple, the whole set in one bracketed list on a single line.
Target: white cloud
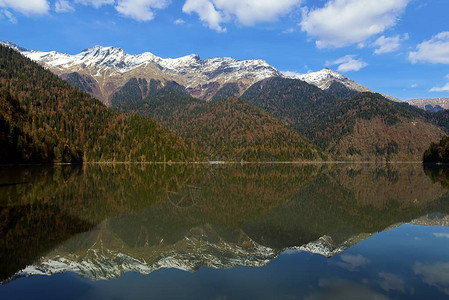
[(140, 10), (444, 88), (414, 85), (348, 63), (95, 3), (11, 18), (27, 7), (63, 6), (207, 13), (291, 74), (179, 22), (435, 50), (289, 30), (342, 23), (388, 44), (246, 12)]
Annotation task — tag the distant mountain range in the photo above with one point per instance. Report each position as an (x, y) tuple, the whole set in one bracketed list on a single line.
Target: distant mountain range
[(103, 71), (431, 104), (314, 116)]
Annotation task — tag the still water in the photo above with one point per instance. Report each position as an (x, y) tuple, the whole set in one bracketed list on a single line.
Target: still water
[(287, 231)]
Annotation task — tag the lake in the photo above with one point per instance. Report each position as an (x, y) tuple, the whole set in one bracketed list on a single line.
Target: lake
[(251, 231)]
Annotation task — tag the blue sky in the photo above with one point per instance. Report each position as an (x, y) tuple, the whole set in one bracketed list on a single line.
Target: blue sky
[(399, 47)]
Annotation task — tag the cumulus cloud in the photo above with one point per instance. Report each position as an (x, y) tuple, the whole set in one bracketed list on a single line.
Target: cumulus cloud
[(342, 23), (140, 10), (63, 6), (435, 50), (388, 44), (246, 12), (348, 63), (95, 3), (207, 13), (27, 7)]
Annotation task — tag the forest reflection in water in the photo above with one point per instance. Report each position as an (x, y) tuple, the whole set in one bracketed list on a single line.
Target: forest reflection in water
[(102, 221)]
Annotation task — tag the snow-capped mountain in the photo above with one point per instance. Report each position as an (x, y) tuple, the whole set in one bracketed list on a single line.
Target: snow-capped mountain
[(325, 78), (105, 70)]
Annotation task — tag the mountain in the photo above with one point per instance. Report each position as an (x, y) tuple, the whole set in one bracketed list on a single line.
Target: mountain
[(432, 105), (20, 141), (333, 83), (103, 71), (227, 129), (336, 84), (366, 127), (44, 119)]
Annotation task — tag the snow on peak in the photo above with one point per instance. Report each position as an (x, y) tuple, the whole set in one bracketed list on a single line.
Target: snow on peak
[(325, 77), (192, 60), (13, 46), (106, 57), (320, 76)]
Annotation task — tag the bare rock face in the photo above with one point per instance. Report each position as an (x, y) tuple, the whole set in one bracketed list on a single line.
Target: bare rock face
[(103, 71), (434, 105)]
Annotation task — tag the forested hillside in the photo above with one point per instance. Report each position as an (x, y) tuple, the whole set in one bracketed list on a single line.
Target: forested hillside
[(227, 129), (365, 127), (44, 119)]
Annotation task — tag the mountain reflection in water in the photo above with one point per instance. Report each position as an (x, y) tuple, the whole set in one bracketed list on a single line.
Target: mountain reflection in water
[(102, 221)]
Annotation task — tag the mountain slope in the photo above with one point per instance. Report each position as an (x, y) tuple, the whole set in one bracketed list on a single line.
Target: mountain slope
[(226, 129), (366, 127), (108, 69), (21, 142), (290, 100), (70, 121)]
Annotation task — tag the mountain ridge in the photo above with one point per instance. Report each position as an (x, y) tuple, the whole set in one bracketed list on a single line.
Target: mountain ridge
[(110, 68)]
